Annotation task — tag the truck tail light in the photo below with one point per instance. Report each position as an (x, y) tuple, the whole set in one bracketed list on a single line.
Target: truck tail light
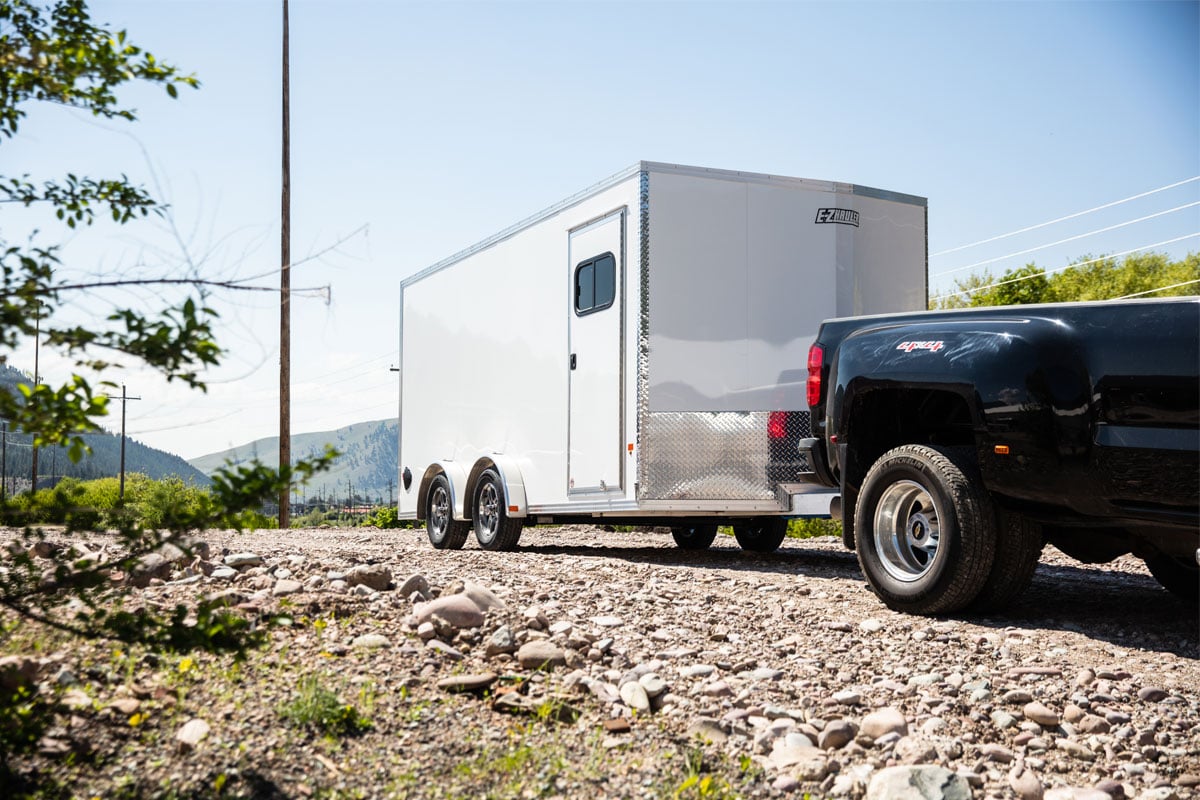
[(816, 360), (777, 425)]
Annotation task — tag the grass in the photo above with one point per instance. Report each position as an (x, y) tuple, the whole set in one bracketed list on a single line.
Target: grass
[(319, 708)]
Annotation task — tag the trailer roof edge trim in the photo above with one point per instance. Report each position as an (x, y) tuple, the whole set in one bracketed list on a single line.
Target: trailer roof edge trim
[(662, 167)]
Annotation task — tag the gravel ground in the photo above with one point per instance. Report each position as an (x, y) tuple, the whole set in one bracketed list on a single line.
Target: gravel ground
[(663, 673)]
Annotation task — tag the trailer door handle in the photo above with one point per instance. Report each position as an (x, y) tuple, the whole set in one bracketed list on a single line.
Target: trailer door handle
[(572, 361)]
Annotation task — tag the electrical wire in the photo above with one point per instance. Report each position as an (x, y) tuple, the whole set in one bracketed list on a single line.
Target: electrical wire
[(1159, 289), (1068, 239), (1067, 217)]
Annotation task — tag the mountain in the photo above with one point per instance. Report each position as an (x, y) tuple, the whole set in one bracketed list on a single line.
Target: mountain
[(366, 468), (104, 461)]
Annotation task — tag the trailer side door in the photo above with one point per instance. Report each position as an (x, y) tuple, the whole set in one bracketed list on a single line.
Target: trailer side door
[(595, 389)]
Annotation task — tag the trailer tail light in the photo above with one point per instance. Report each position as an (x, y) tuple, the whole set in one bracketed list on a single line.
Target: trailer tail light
[(777, 425), (816, 360)]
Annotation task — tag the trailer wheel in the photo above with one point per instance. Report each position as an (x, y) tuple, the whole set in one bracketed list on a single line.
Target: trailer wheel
[(445, 533), (1176, 575), (695, 537), (763, 535), (925, 530), (1018, 547), (494, 529)]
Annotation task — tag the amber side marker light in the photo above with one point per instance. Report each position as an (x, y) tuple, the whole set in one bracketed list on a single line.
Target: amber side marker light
[(513, 509), (1001, 449)]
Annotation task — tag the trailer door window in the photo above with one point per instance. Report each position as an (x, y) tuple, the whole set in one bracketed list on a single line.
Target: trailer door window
[(595, 284)]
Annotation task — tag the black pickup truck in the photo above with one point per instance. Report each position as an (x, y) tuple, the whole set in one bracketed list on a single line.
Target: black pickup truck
[(963, 441)]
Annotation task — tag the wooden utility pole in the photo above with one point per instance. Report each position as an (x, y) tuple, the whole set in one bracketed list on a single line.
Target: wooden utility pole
[(124, 398), (37, 347), (285, 290)]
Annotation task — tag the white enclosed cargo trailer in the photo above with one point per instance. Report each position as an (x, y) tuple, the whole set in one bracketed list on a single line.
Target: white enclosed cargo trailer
[(637, 353)]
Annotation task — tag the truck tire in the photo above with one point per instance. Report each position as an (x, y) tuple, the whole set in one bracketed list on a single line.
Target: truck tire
[(494, 529), (925, 530), (762, 535), (445, 532), (1019, 545), (695, 537), (1176, 575)]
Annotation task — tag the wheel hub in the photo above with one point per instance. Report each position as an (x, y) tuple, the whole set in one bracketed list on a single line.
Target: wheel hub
[(907, 530)]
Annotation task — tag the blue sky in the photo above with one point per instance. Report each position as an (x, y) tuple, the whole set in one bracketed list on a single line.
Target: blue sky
[(421, 128)]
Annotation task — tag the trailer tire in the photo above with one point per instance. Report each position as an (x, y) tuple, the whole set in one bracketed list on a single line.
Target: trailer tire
[(445, 532), (925, 530), (1018, 547), (762, 535), (694, 537), (1176, 575), (494, 529)]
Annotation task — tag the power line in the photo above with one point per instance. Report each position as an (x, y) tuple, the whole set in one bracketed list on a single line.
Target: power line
[(1068, 239), (1060, 269), (1159, 289), (1067, 217)]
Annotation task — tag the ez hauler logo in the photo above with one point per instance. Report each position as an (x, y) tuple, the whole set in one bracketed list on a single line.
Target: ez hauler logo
[(836, 216), (932, 347)]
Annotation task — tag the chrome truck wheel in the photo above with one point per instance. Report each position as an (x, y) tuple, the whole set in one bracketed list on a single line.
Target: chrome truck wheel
[(925, 530)]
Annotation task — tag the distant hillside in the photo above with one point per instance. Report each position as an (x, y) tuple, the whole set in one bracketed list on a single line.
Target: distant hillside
[(367, 467), (104, 461)]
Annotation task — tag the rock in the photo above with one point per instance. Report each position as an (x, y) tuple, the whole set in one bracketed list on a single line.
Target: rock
[(1072, 793), (191, 734), (698, 671), (653, 684), (847, 698), (802, 763), (286, 587), (997, 753), (1090, 723), (127, 706), (415, 584), (1151, 694), (455, 610), (474, 682), (501, 641), (443, 649), (924, 782), (1158, 793), (241, 560), (837, 734), (17, 671), (914, 750), (147, 568), (1040, 714), (785, 784), (540, 654), (223, 573), (633, 694), (375, 576), (1016, 697), (766, 674), (707, 729), (372, 641), (483, 598), (76, 700), (1075, 749), (882, 722), (871, 625), (607, 622), (1026, 784)]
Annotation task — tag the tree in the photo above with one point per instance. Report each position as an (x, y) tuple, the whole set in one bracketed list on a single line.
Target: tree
[(53, 53), (1103, 278)]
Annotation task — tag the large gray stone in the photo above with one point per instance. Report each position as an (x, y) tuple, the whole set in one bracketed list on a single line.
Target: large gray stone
[(884, 721), (375, 576), (923, 782), (540, 654), (455, 610)]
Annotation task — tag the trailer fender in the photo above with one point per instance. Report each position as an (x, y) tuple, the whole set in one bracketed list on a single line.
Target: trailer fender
[(457, 478), (510, 477)]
